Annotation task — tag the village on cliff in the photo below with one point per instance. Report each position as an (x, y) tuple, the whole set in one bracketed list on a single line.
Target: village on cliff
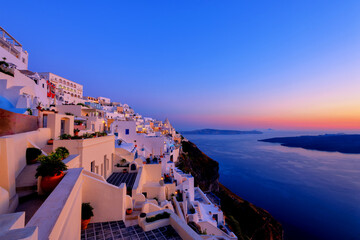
[(76, 167)]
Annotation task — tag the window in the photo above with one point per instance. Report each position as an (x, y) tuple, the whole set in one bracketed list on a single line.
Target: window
[(92, 168), (127, 131), (23, 60), (43, 85), (45, 120)]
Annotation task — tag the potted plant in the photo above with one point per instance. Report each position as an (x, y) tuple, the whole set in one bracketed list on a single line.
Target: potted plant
[(50, 141), (29, 111), (32, 155), (51, 170), (86, 214), (128, 211), (76, 132), (63, 152)]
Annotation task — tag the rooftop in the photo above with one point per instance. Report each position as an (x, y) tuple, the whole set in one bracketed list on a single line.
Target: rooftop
[(117, 230), (8, 38), (118, 178)]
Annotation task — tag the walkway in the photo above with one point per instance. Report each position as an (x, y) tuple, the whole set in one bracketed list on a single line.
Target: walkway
[(118, 178), (117, 230)]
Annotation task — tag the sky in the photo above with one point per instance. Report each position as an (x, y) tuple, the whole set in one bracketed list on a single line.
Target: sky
[(204, 64)]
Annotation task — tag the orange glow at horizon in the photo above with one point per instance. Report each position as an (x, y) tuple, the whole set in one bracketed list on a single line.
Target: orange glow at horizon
[(277, 122)]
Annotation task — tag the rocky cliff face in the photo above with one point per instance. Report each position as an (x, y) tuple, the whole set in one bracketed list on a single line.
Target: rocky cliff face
[(204, 169), (245, 219)]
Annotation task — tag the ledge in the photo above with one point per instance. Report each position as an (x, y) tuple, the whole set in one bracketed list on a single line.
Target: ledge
[(47, 216)]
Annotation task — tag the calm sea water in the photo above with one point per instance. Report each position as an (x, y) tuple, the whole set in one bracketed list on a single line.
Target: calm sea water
[(315, 195)]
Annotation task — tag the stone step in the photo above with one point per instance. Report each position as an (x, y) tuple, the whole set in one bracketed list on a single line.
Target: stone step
[(134, 215), (13, 203), (26, 188), (137, 208), (27, 178), (26, 195)]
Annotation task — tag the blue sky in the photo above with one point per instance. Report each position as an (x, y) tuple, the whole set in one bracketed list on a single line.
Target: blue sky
[(224, 64)]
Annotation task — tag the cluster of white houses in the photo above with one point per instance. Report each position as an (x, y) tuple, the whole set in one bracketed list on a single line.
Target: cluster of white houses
[(123, 165)]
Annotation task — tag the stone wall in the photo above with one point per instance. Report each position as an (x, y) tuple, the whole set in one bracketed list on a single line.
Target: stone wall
[(12, 123)]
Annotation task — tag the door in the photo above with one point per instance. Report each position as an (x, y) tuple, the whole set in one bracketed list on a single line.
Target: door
[(105, 167), (62, 129), (45, 120)]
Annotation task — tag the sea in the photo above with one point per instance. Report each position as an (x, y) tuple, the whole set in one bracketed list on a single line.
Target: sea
[(313, 194)]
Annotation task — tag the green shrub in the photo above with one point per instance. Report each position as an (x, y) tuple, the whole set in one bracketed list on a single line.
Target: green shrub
[(29, 111), (65, 136), (86, 211), (63, 152), (32, 154), (83, 105), (78, 122), (50, 165), (159, 216), (4, 63), (76, 137), (86, 135)]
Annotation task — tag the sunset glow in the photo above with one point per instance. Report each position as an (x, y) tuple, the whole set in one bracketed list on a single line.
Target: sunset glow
[(269, 65)]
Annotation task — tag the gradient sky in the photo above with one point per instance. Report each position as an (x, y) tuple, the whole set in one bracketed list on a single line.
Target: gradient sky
[(221, 64)]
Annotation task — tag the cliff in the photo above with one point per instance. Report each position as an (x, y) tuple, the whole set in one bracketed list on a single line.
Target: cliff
[(245, 219), (204, 169)]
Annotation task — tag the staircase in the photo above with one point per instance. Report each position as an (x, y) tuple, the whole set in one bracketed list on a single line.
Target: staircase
[(47, 149), (134, 215), (26, 183), (197, 208)]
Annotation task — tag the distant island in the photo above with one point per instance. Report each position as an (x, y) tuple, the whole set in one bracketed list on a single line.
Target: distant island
[(219, 132), (343, 143)]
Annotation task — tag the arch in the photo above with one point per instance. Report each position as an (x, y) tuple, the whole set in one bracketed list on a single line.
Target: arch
[(133, 167)]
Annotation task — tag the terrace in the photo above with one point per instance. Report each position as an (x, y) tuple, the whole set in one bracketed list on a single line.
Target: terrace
[(118, 178), (9, 43), (117, 230)]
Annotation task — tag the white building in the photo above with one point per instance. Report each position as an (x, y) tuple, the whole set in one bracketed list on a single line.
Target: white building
[(12, 50), (104, 100), (67, 91), (22, 92)]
